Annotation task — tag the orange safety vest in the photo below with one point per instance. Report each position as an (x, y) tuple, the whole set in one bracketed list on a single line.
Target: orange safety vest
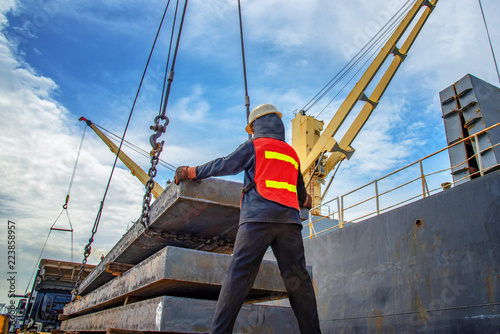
[(276, 171)]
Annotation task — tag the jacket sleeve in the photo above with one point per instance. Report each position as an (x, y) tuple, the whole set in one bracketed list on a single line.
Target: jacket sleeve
[(242, 158), (301, 189)]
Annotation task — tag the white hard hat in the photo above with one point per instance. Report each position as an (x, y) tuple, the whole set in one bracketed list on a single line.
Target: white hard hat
[(259, 111)]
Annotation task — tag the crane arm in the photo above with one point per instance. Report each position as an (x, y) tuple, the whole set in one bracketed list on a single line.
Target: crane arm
[(131, 165), (341, 150)]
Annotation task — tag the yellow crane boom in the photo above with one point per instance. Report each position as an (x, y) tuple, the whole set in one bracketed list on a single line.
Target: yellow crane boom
[(131, 165), (320, 152)]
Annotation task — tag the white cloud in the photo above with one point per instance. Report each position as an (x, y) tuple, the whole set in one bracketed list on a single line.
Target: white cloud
[(376, 140), (5, 6), (192, 109), (38, 146)]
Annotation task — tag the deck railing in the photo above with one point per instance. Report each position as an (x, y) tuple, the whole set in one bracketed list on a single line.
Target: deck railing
[(339, 211)]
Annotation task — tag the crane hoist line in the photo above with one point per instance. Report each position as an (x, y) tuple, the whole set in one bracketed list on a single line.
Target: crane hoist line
[(135, 148), (64, 209), (366, 53), (157, 147)]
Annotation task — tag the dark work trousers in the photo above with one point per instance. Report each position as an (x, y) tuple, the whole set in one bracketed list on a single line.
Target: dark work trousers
[(252, 241)]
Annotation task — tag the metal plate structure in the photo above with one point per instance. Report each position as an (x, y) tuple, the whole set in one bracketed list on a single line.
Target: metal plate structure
[(470, 106), (176, 272), (183, 315), (480, 103), (454, 128), (208, 211)]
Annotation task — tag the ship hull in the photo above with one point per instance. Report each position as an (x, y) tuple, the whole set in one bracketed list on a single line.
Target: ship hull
[(431, 266)]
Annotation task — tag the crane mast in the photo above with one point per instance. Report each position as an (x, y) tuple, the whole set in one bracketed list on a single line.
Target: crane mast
[(318, 151)]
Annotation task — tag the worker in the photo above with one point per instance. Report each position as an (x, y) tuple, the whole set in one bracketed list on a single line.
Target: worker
[(270, 216)]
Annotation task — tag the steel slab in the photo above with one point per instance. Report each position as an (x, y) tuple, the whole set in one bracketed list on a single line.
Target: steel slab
[(207, 209), (176, 272), (183, 315)]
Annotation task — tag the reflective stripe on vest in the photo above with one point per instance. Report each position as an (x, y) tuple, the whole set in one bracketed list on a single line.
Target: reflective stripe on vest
[(280, 156), (276, 171), (281, 185)]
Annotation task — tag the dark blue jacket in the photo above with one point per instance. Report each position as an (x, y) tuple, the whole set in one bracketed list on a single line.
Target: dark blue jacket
[(254, 207)]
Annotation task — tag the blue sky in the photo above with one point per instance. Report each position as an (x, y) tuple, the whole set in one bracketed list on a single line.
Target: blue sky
[(60, 60)]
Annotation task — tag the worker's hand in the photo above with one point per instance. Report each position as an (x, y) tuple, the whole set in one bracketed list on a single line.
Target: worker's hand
[(184, 173), (308, 202)]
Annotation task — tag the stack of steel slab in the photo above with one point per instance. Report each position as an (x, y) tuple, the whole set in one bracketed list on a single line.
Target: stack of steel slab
[(175, 290), (179, 272), (177, 269), (198, 215)]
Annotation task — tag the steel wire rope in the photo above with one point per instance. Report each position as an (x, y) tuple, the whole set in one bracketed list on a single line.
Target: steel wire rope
[(343, 76), (373, 48), (43, 248), (343, 87), (65, 208), (355, 60), (489, 39), (74, 168), (389, 26), (88, 248), (45, 244), (71, 226), (247, 98), (165, 77), (369, 47), (359, 56), (160, 128), (174, 58), (136, 148)]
